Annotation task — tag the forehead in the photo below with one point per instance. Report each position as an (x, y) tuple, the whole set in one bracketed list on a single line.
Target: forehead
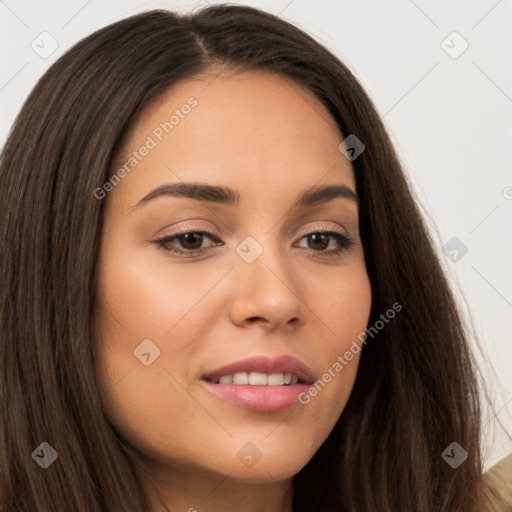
[(252, 129)]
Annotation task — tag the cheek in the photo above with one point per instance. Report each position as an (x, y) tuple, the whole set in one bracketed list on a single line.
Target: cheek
[(149, 299), (350, 316), (139, 300), (343, 307)]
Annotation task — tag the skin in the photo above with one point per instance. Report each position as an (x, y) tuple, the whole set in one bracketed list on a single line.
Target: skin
[(271, 140)]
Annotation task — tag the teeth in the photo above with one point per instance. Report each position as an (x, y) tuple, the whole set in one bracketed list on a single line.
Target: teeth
[(275, 379), (259, 379), (241, 378)]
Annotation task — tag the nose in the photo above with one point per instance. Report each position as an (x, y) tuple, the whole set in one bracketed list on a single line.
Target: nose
[(265, 292)]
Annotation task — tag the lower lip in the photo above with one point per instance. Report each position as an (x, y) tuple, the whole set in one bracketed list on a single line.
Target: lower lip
[(259, 398)]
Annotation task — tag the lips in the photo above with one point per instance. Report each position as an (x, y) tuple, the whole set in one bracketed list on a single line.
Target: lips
[(260, 383)]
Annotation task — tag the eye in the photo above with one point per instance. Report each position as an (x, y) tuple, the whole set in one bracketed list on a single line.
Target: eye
[(191, 242), (318, 241)]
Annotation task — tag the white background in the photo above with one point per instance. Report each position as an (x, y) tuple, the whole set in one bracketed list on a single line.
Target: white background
[(450, 119)]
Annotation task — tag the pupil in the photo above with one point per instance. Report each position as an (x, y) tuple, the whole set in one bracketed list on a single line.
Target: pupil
[(322, 238), (188, 239)]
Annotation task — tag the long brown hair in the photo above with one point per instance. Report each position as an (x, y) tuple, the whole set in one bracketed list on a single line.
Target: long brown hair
[(416, 389)]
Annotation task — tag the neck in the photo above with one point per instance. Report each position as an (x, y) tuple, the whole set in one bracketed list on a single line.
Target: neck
[(203, 491)]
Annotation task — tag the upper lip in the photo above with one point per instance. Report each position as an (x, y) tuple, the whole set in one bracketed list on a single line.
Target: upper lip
[(264, 364)]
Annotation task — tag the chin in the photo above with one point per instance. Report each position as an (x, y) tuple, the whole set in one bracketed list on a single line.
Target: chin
[(273, 469), (263, 462)]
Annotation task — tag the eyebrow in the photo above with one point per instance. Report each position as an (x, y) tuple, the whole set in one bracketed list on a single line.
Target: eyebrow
[(224, 195)]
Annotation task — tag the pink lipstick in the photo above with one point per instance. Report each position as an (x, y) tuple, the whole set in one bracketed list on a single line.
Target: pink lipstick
[(260, 383)]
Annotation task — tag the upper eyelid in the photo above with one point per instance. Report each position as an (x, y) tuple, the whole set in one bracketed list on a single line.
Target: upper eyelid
[(213, 236), (213, 233)]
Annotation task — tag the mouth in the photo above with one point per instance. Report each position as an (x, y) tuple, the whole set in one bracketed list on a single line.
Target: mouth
[(260, 383), (258, 379)]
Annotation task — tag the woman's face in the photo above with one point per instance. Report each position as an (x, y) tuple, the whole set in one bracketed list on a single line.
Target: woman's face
[(196, 351)]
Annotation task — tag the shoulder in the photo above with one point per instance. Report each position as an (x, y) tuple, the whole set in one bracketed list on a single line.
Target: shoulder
[(500, 475)]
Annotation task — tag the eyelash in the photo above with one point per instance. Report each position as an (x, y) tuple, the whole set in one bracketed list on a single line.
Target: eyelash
[(343, 239)]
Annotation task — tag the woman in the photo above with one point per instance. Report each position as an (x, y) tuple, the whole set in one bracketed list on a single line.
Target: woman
[(305, 353)]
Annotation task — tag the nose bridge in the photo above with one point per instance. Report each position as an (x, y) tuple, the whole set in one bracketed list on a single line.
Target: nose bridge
[(258, 250), (264, 286), (262, 258)]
